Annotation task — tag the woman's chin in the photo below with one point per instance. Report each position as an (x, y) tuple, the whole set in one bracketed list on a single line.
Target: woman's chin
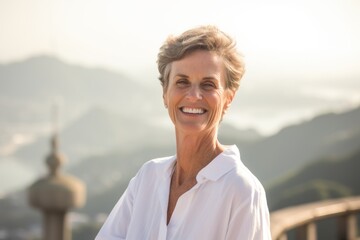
[(193, 128)]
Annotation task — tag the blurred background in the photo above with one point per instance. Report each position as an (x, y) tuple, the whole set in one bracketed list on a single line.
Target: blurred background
[(296, 116)]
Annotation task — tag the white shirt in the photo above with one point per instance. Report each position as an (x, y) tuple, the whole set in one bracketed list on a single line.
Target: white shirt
[(228, 202)]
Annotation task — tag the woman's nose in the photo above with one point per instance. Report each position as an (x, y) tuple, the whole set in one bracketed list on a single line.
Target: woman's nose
[(194, 93)]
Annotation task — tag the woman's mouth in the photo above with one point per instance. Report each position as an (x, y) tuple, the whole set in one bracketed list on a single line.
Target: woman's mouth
[(190, 110)]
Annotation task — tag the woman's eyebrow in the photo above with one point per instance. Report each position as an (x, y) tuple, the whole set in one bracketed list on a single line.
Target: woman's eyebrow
[(211, 78), (208, 78), (181, 75)]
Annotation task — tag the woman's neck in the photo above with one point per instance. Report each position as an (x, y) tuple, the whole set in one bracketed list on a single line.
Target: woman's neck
[(194, 152)]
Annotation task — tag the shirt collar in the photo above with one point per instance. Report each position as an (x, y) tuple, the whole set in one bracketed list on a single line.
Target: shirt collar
[(220, 165)]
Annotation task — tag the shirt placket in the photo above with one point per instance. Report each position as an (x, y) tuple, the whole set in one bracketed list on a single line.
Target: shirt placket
[(163, 193), (181, 210)]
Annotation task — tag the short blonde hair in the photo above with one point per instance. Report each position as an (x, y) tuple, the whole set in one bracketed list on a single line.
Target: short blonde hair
[(208, 38)]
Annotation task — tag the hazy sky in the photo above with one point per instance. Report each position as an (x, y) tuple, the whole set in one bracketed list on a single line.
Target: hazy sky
[(310, 45)]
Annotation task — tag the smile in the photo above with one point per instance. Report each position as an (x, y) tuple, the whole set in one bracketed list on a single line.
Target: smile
[(193, 110)]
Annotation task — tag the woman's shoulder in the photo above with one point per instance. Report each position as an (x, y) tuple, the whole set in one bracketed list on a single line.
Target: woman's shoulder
[(234, 172), (157, 165), (159, 162), (242, 177), (151, 172), (242, 187)]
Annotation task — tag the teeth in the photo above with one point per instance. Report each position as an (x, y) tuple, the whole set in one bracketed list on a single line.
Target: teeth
[(193, 110)]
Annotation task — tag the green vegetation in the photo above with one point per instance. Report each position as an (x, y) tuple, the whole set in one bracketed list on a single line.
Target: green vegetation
[(321, 180)]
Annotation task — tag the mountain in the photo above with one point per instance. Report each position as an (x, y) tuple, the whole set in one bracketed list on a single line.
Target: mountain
[(99, 110), (28, 90), (332, 134), (97, 132), (45, 77), (323, 179)]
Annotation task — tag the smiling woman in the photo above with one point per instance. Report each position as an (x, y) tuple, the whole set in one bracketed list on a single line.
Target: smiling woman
[(204, 191), (196, 93)]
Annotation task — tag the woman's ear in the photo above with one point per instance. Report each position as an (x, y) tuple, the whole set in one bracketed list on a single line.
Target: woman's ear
[(230, 94)]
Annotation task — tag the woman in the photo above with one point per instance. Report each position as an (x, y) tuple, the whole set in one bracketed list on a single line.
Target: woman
[(204, 192)]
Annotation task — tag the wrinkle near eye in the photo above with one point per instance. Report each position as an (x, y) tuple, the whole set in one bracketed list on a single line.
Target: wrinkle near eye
[(209, 85)]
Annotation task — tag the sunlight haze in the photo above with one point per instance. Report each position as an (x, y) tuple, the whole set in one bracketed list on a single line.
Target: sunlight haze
[(308, 48)]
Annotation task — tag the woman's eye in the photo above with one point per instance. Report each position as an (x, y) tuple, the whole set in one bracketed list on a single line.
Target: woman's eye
[(181, 82), (209, 85)]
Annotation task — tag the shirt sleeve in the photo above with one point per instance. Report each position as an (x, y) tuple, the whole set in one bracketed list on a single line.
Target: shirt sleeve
[(116, 225), (250, 220)]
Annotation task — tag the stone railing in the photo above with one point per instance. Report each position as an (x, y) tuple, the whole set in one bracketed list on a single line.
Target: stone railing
[(302, 219)]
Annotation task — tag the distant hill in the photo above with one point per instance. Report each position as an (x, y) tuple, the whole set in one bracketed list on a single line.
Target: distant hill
[(332, 134), (98, 112), (320, 180), (29, 88), (97, 132), (44, 77), (100, 131)]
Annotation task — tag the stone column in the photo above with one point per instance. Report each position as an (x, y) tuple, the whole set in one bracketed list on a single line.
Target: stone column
[(55, 194)]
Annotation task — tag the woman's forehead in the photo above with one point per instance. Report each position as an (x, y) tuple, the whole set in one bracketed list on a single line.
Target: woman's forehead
[(200, 62)]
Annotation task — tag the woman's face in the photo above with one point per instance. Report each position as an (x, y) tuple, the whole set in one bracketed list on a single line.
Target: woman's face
[(195, 95)]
